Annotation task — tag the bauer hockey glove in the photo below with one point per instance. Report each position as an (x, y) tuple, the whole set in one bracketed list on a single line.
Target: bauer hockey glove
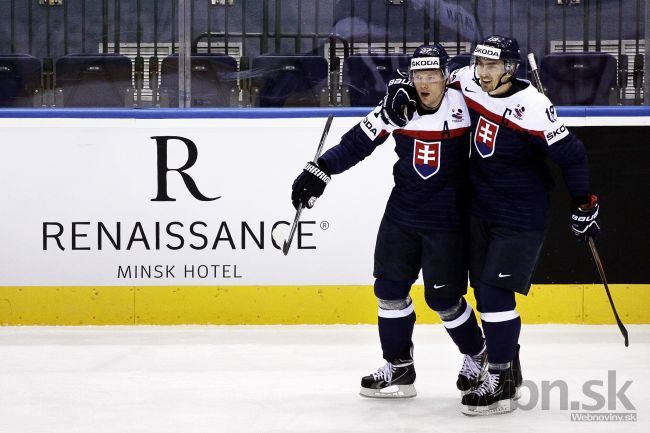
[(584, 220), (309, 185), (400, 102)]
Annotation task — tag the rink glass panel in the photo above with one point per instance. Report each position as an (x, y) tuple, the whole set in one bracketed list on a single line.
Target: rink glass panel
[(290, 53)]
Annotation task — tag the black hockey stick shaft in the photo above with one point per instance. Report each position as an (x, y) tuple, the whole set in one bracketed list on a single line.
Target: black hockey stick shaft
[(603, 277), (296, 219), (592, 245)]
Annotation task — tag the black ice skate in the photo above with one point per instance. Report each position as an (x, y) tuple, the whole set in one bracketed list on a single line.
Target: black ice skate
[(472, 369), (494, 395), (393, 380)]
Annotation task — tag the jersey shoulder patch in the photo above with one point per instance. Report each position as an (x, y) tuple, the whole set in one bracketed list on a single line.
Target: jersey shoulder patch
[(458, 112), (373, 126), (546, 118)]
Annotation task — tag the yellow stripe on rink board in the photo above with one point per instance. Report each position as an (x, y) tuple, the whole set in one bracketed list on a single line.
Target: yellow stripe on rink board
[(37, 305), (156, 305)]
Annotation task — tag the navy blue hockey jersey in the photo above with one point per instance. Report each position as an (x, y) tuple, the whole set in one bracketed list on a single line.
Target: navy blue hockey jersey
[(431, 168), (511, 136)]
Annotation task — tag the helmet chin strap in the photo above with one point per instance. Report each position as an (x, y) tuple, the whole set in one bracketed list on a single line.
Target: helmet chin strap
[(501, 83)]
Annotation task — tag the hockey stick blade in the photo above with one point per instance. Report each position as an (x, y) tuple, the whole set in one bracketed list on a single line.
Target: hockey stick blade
[(601, 271), (278, 236), (592, 245), (296, 220)]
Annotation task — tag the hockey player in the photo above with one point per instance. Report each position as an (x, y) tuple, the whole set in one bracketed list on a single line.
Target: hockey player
[(423, 226), (514, 127)]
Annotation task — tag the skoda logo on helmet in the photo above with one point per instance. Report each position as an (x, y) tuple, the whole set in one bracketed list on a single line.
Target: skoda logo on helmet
[(425, 63), (486, 51)]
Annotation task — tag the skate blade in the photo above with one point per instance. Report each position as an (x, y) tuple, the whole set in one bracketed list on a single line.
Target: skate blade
[(497, 408), (393, 391)]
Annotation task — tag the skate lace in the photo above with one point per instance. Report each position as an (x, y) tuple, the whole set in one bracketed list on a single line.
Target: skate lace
[(471, 366), (384, 373), (488, 385)]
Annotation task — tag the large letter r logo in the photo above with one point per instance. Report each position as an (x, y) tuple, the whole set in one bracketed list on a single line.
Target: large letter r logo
[(161, 144)]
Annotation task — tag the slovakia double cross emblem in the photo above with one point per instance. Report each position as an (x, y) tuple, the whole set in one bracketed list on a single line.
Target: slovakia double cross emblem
[(485, 136), (426, 158)]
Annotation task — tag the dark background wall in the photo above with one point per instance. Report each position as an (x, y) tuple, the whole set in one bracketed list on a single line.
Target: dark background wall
[(619, 162)]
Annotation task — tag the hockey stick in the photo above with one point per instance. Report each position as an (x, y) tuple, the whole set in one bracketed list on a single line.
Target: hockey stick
[(592, 245), (601, 271), (277, 234)]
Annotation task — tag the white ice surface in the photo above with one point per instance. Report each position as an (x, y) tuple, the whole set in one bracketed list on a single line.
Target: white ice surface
[(289, 379)]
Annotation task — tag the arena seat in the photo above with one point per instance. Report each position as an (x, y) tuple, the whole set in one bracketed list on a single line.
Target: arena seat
[(214, 80), (94, 80), (365, 77), (20, 80), (289, 81), (459, 61), (579, 78)]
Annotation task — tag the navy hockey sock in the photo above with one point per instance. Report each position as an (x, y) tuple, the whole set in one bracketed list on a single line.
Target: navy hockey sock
[(501, 323), (459, 320), (467, 336), (396, 318), (395, 335), (501, 337)]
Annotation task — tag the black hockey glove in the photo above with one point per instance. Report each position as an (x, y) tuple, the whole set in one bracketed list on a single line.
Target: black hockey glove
[(309, 185), (400, 102), (584, 220)]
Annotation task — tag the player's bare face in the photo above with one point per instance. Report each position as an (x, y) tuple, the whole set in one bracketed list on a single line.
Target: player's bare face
[(430, 85), (489, 73)]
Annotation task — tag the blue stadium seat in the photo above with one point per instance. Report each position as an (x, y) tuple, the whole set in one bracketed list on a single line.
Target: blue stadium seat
[(289, 81), (95, 80), (459, 61), (579, 78), (20, 80), (365, 77), (214, 80)]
